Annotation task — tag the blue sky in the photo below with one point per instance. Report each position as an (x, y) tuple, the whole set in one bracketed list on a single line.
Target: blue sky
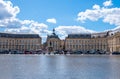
[(66, 16)]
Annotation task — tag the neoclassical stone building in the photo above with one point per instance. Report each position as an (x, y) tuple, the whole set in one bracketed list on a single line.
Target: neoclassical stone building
[(92, 42), (104, 41), (20, 42), (85, 42), (114, 42), (53, 42)]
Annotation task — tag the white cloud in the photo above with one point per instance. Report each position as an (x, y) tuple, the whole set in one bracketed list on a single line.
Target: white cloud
[(96, 7), (51, 20), (92, 15), (29, 27), (107, 3), (10, 23), (113, 18), (7, 10), (108, 15), (38, 27), (63, 31)]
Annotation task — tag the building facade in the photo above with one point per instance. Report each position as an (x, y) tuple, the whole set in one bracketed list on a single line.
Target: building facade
[(88, 42), (103, 42), (114, 42), (20, 42), (53, 42)]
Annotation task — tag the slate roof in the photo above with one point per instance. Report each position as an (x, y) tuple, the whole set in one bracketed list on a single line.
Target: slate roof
[(79, 36), (19, 35), (53, 36)]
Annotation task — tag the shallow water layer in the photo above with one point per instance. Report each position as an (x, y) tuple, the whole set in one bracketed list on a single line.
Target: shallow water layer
[(59, 67)]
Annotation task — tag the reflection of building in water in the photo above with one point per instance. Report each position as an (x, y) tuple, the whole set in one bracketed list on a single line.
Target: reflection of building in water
[(53, 42), (19, 41)]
